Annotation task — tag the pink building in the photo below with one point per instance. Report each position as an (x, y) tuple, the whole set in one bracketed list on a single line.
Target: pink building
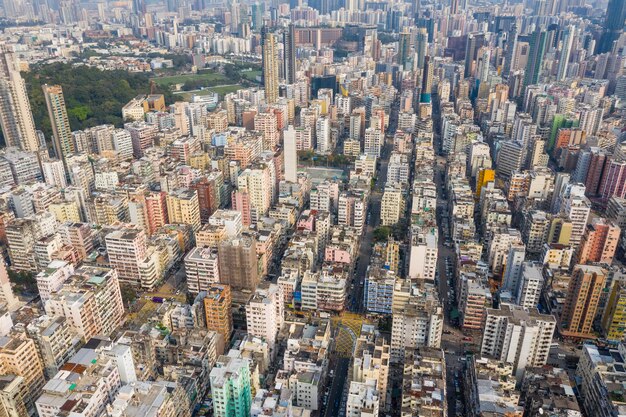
[(241, 203)]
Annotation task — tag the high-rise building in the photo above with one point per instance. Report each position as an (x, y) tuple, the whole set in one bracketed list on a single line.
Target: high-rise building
[(614, 316), (129, 255), (417, 318), (290, 154), (91, 302), (19, 356), (599, 243), (217, 308), (238, 263), (289, 43), (265, 314), (581, 303), (613, 25), (63, 142), (269, 44), (520, 337), (474, 42), (568, 39), (201, 269), (404, 48), (230, 386), (16, 118), (183, 207), (13, 393), (537, 51)]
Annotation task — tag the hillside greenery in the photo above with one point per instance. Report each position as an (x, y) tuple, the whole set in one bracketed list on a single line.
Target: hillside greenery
[(92, 96)]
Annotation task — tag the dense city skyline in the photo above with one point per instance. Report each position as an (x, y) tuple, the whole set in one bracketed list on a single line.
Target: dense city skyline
[(319, 208)]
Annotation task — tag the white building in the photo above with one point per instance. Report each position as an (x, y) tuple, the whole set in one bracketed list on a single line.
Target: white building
[(363, 399), (423, 253), (518, 336), (530, 286), (290, 155), (201, 269), (54, 173), (417, 318), (51, 278), (265, 313)]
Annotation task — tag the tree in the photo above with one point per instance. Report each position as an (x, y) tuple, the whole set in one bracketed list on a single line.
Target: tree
[(381, 233), (128, 295), (24, 281)]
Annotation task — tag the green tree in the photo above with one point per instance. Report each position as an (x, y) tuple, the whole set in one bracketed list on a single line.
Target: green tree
[(381, 233), (128, 295)]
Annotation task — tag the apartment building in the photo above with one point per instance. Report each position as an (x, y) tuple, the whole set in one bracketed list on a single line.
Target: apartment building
[(265, 313), (201, 269)]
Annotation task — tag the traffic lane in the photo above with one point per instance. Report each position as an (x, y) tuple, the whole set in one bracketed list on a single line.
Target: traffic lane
[(335, 395)]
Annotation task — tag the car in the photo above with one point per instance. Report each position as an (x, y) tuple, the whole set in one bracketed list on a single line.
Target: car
[(467, 339), (447, 332)]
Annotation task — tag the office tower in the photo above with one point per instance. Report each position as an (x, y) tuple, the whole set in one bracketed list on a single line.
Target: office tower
[(256, 15), (19, 356), (7, 297), (63, 142), (520, 337), (290, 154), (511, 45), (183, 207), (613, 25), (421, 46), (475, 41), (454, 7), (238, 263), (599, 242), (217, 309), (269, 45), (16, 118), (427, 80), (581, 302), (537, 49), (265, 314), (568, 40), (230, 383), (289, 44), (404, 48)]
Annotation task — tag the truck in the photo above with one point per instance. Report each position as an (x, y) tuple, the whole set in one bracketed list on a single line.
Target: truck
[(158, 300)]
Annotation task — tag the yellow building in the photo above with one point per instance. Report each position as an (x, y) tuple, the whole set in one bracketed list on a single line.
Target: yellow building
[(65, 211), (392, 255), (485, 176), (19, 356), (560, 231), (614, 317), (183, 207), (217, 307)]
